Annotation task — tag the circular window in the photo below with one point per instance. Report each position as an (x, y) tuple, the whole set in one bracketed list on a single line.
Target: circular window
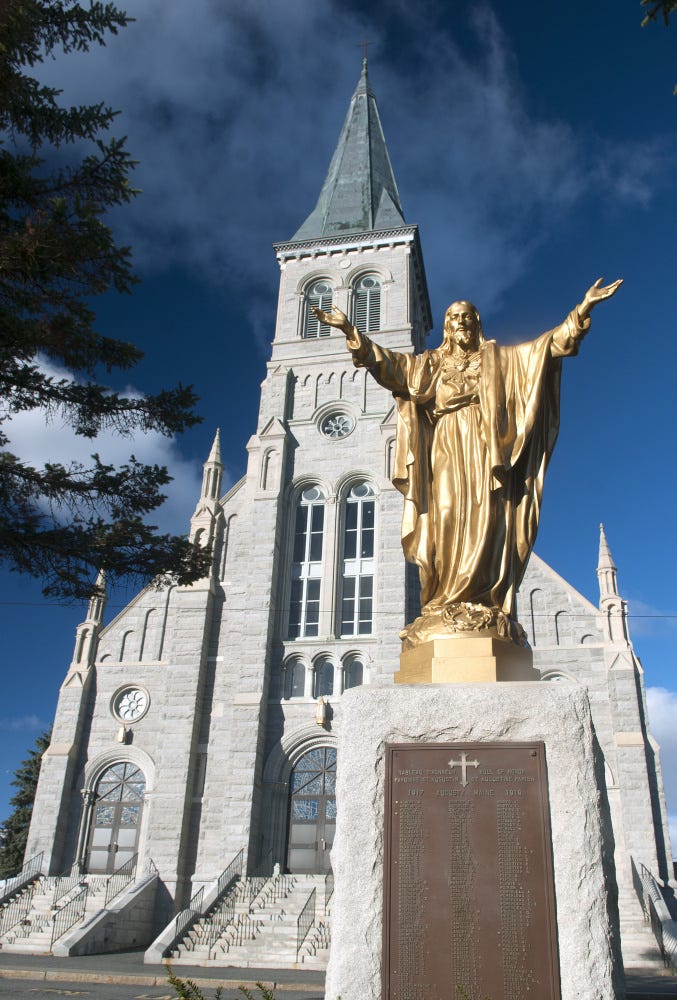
[(336, 425), (130, 704)]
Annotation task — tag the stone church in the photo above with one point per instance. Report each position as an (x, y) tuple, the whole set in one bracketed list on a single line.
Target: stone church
[(201, 721)]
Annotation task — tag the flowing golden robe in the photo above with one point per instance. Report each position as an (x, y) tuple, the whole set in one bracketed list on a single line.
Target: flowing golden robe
[(473, 443)]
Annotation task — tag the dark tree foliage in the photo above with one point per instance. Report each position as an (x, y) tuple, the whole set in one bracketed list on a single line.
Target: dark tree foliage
[(60, 172), (656, 8), (14, 831)]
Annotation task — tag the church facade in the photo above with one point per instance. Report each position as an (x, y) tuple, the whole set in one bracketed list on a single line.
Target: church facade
[(202, 720)]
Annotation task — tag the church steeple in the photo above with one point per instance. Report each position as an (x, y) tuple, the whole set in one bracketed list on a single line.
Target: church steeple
[(606, 570), (359, 193), (611, 603), (202, 523)]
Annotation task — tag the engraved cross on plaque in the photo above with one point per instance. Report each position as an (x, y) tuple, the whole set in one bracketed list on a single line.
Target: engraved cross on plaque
[(464, 764)]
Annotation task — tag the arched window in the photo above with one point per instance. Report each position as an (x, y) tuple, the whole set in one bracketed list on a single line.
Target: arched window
[(367, 304), (117, 806), (353, 673), (324, 678), (357, 593), (306, 568), (312, 811), (296, 672), (319, 294)]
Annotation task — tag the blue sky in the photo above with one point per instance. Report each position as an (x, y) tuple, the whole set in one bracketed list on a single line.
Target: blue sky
[(534, 144)]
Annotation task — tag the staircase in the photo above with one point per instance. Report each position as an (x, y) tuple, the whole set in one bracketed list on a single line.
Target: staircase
[(43, 911), (257, 925)]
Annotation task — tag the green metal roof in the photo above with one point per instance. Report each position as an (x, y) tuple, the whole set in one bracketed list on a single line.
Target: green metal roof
[(359, 193)]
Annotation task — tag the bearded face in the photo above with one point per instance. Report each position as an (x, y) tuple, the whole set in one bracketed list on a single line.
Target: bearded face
[(462, 326)]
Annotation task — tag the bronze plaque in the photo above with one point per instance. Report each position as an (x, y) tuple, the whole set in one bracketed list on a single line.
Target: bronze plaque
[(469, 902)]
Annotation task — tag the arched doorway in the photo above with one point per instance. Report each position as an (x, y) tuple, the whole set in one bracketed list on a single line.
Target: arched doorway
[(312, 811), (117, 808)]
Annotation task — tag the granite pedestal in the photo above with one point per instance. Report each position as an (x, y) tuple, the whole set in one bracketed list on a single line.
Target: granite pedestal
[(582, 848)]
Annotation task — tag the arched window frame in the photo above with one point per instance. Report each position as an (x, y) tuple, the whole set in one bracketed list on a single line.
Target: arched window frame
[(324, 677), (295, 678), (306, 562), (356, 560), (352, 677), (319, 293), (367, 302)]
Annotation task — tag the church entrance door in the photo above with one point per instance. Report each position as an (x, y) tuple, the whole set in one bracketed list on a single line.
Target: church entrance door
[(117, 813), (312, 811)]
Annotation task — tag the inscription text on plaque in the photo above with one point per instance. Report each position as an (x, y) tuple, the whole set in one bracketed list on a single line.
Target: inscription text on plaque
[(468, 887)]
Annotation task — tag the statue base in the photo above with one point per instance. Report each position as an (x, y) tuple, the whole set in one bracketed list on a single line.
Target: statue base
[(465, 659)]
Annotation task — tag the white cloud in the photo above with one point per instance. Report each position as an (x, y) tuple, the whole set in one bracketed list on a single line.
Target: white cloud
[(22, 723), (233, 113), (37, 442), (662, 707)]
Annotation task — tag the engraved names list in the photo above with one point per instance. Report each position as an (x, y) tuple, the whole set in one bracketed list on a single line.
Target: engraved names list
[(468, 887)]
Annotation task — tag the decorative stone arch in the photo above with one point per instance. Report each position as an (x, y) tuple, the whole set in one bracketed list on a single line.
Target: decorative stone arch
[(125, 644), (384, 278), (352, 655), (289, 666), (319, 659), (92, 774), (558, 676), (276, 781), (302, 293)]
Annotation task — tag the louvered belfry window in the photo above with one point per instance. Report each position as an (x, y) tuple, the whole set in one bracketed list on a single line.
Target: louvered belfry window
[(367, 304), (320, 295)]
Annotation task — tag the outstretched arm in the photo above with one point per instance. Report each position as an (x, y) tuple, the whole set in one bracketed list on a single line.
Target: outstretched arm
[(567, 337), (596, 293), (339, 320)]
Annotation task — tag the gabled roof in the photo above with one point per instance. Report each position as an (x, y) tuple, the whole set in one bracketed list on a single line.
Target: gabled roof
[(359, 193)]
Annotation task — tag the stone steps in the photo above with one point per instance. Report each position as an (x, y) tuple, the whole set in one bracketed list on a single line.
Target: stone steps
[(263, 932), (33, 935)]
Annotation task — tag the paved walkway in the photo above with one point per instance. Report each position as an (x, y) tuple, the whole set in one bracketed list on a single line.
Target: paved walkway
[(128, 968)]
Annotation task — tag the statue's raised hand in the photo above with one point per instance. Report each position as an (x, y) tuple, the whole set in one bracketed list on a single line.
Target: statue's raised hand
[(597, 293), (334, 318)]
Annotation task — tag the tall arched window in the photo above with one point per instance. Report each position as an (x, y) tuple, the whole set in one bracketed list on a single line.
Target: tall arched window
[(319, 294), (367, 304), (117, 808), (357, 596), (324, 678), (306, 568), (353, 673), (296, 674)]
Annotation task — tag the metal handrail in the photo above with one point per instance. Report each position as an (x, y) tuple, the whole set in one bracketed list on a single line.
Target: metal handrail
[(305, 921), (120, 879), (186, 916), (328, 889), (16, 910), (649, 893), (30, 871), (70, 914), (183, 920), (230, 873)]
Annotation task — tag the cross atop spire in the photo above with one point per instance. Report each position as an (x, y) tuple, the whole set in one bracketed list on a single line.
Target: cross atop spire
[(359, 193)]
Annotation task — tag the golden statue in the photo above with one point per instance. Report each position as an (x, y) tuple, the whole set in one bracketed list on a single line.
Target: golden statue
[(476, 426)]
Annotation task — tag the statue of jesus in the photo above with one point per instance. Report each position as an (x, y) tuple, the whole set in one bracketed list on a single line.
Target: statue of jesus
[(477, 423)]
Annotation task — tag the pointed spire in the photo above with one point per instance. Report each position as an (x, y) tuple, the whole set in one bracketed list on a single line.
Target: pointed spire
[(606, 569), (215, 453), (213, 471), (359, 193), (97, 601)]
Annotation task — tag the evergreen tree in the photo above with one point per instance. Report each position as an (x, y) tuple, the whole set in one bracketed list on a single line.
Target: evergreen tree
[(14, 831), (60, 171)]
